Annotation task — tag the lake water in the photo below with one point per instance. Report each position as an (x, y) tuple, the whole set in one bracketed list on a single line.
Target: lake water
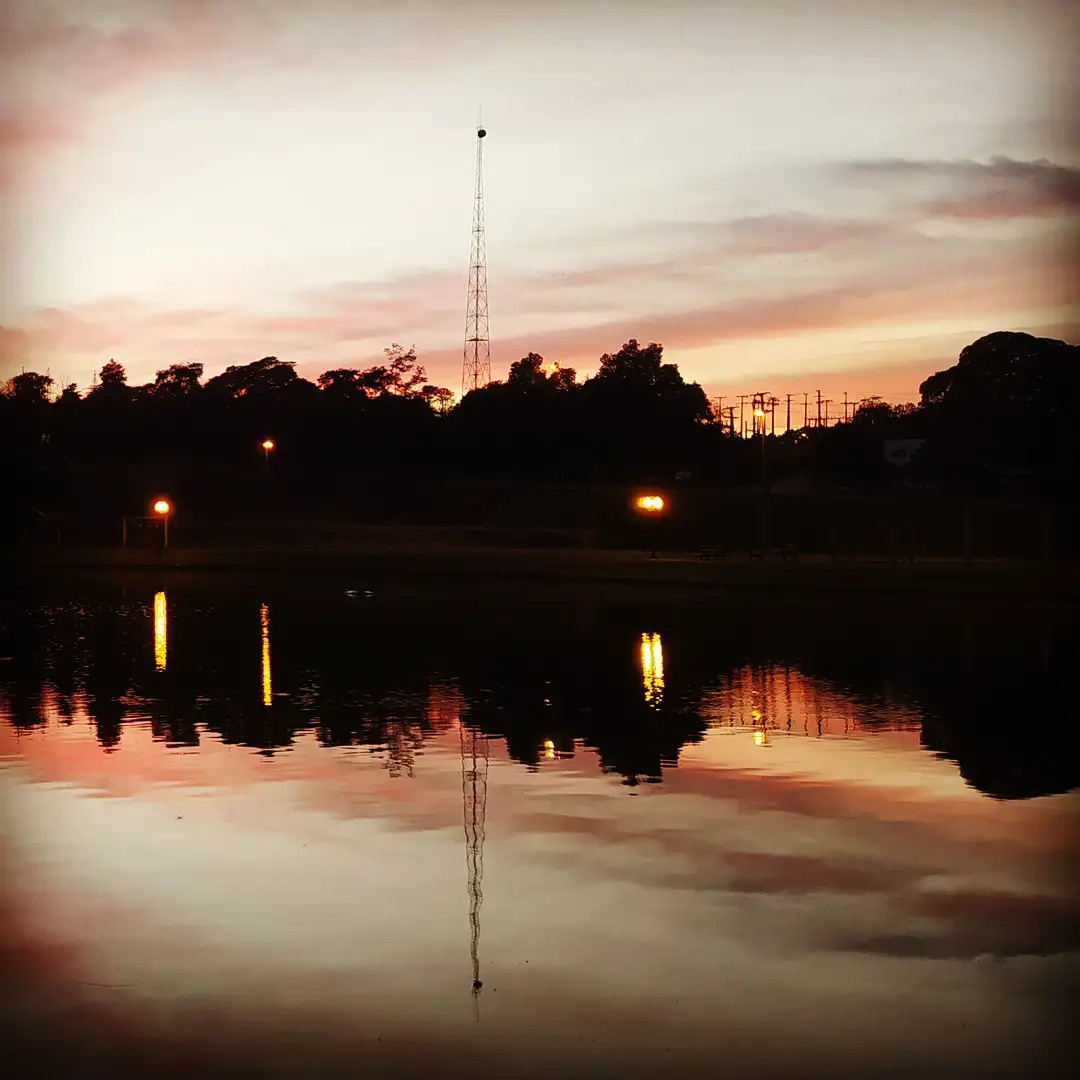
[(266, 828)]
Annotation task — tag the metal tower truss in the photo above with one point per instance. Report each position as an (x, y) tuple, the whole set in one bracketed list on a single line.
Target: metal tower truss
[(476, 367)]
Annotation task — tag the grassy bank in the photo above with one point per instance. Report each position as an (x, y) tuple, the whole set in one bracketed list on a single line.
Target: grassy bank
[(821, 574)]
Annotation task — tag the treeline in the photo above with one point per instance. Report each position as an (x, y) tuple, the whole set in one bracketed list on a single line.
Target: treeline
[(998, 421), (455, 654)]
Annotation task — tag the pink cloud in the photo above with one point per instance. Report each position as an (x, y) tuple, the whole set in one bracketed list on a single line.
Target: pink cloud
[(872, 274), (59, 66)]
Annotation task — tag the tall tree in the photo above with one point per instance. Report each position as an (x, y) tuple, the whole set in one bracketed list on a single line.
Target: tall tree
[(406, 375), (527, 373), (28, 388), (263, 377), (342, 384), (179, 380)]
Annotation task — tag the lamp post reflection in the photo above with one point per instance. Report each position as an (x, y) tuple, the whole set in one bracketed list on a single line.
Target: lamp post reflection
[(652, 668), (161, 631), (761, 734), (267, 684)]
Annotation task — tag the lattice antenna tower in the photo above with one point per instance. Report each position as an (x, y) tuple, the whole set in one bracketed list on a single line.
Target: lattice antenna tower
[(476, 366)]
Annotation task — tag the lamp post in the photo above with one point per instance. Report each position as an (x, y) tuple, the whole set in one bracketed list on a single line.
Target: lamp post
[(759, 416), (267, 445), (163, 508), (651, 507)]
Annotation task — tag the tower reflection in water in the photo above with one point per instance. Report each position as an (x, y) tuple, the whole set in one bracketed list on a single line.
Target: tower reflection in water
[(474, 774)]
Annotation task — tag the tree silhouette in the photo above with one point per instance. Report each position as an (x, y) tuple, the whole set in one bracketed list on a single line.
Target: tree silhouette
[(263, 378), (28, 388), (527, 373), (1005, 408), (342, 385), (179, 380), (998, 421), (112, 375)]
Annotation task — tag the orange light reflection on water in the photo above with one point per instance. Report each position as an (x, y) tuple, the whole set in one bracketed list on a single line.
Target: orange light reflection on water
[(161, 631), (267, 683)]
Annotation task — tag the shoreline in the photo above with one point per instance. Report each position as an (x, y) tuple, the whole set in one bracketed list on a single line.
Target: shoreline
[(736, 572)]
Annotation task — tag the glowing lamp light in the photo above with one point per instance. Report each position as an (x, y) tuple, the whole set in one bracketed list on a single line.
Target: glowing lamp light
[(162, 507), (650, 503), (268, 445)]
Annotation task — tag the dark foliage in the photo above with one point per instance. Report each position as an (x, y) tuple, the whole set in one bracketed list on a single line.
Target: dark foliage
[(997, 422)]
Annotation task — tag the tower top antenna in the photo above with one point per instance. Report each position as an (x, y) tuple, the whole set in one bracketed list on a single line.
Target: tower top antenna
[(481, 131)]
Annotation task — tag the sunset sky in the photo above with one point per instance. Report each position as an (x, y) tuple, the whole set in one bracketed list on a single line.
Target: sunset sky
[(788, 195)]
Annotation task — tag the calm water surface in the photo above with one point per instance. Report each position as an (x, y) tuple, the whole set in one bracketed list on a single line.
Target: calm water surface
[(272, 829)]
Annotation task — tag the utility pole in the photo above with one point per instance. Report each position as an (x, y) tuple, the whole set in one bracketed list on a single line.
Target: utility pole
[(827, 403), (818, 409), (742, 420), (787, 426), (731, 419), (845, 406), (805, 411), (773, 402), (720, 409)]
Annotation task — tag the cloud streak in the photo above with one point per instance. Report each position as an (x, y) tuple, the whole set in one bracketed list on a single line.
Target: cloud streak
[(845, 274), (998, 189)]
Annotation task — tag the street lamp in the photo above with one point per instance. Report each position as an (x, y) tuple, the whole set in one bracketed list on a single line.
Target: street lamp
[(267, 446), (163, 508), (651, 506), (760, 413)]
